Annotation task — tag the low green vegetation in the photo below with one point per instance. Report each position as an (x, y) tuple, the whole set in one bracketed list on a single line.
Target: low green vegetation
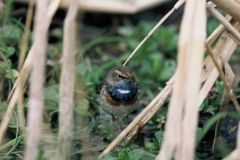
[(153, 65)]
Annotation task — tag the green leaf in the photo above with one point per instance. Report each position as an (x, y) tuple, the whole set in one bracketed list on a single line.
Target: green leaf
[(159, 136), (150, 146), (12, 74), (123, 154), (10, 34), (126, 31), (138, 154), (11, 51), (202, 132), (110, 157), (168, 70)]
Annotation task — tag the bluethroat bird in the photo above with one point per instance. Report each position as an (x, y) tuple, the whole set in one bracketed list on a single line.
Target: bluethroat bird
[(119, 92)]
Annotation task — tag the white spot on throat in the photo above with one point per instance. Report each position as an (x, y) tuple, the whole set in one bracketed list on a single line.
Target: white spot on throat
[(123, 91)]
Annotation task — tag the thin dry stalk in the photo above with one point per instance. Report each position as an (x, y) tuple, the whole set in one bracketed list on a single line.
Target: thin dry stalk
[(229, 75), (226, 24), (37, 82), (23, 48), (208, 65), (160, 22), (225, 51), (230, 6), (217, 32), (224, 47), (229, 90), (24, 41), (14, 94), (67, 81), (224, 105)]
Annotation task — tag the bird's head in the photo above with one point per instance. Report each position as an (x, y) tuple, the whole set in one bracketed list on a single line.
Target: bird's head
[(121, 86), (119, 73)]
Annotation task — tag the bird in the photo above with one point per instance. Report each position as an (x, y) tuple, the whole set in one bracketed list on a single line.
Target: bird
[(119, 92)]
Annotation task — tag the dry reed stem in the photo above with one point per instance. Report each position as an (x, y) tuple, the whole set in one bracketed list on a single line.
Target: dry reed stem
[(228, 88), (224, 105), (52, 8), (226, 24), (157, 102), (183, 110), (230, 35), (229, 75), (67, 80), (230, 6), (37, 82), (208, 65), (224, 47), (24, 41), (225, 51), (218, 31), (160, 22), (23, 48), (14, 94), (112, 6)]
